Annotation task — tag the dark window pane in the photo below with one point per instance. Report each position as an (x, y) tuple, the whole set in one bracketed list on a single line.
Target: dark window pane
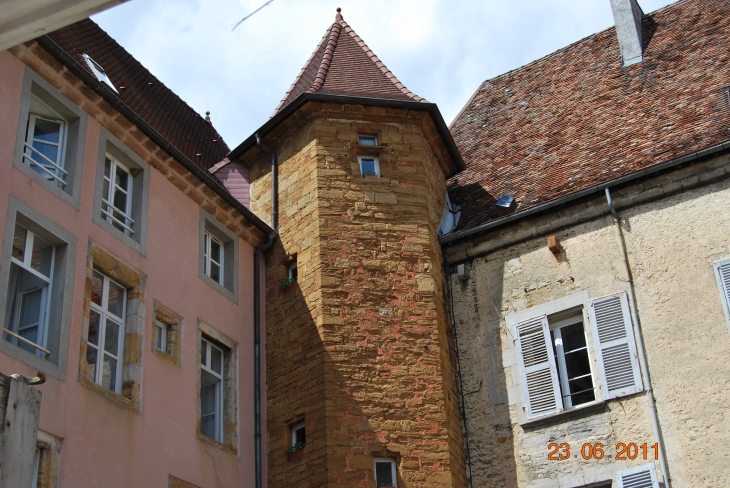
[(42, 255), (19, 242), (97, 287), (111, 338), (122, 179), (207, 426), (581, 390), (368, 166), (573, 337), (215, 251), (216, 360), (49, 151), (94, 328), (384, 474), (116, 300), (577, 363), (46, 130), (204, 352), (109, 375), (215, 272), (107, 169), (300, 436)]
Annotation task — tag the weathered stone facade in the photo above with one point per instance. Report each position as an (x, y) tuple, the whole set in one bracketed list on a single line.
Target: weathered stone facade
[(674, 232), (360, 348)]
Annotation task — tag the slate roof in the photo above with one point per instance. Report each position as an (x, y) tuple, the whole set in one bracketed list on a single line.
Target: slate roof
[(159, 106), (576, 119), (344, 65)]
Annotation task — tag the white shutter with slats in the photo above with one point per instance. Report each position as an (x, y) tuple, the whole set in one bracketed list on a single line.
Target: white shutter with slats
[(538, 373), (639, 477), (722, 273), (613, 336)]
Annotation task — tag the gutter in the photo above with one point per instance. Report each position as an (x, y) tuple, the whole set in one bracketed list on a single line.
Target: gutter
[(107, 94), (283, 114), (724, 146)]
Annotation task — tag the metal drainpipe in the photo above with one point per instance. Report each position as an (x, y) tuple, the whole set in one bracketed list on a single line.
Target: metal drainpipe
[(640, 343), (458, 367), (257, 306)]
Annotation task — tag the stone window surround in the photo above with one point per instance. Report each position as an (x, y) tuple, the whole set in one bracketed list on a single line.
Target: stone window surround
[(173, 482), (61, 293), (77, 119), (210, 224), (134, 323), (230, 388), (140, 172), (174, 324), (380, 152), (50, 460)]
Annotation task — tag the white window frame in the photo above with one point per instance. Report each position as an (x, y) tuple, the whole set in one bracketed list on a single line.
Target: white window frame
[(108, 210), (294, 429), (394, 471), (104, 316), (161, 337), (292, 271), (208, 259), (207, 345), (57, 173), (367, 137), (539, 373), (25, 265), (644, 468), (722, 275), (555, 328), (376, 162)]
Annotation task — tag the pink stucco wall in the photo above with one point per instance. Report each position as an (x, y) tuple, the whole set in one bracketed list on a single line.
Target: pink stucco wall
[(104, 443)]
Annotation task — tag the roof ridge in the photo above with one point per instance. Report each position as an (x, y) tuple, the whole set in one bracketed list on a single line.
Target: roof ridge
[(378, 63), (326, 58)]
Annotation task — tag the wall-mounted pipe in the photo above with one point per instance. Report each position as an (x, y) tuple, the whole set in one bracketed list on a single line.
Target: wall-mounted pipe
[(640, 343), (257, 306)]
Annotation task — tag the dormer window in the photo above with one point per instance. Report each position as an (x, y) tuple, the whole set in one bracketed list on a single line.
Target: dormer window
[(366, 140), (99, 72), (369, 166)]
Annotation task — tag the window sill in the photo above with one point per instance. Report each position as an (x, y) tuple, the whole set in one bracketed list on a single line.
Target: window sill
[(586, 409), (223, 447), (166, 357), (113, 396)]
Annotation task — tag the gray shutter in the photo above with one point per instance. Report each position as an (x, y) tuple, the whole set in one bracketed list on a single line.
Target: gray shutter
[(538, 373), (722, 273), (613, 336), (638, 477)]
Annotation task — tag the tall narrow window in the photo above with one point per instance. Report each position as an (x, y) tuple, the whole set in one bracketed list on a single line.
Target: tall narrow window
[(116, 201), (385, 473), (571, 357), (45, 143), (211, 390), (161, 337), (29, 291), (106, 331), (298, 436), (213, 266)]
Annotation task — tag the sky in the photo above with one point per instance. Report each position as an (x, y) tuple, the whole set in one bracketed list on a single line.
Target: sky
[(441, 50)]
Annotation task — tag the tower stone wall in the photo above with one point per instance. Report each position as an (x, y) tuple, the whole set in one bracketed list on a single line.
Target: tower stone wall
[(360, 348)]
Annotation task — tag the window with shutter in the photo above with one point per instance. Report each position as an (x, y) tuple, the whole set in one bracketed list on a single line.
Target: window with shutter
[(722, 273), (613, 337), (638, 477), (538, 371)]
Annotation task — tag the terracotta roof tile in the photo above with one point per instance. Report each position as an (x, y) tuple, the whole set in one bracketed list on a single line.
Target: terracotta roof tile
[(342, 64), (159, 106), (576, 118)]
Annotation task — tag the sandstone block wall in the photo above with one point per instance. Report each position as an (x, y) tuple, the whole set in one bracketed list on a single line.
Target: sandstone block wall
[(674, 233), (360, 347)]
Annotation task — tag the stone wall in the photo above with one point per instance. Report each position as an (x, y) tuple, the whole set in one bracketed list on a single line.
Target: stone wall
[(674, 233), (360, 348)]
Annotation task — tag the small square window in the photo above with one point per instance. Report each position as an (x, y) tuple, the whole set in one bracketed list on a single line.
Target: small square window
[(367, 140), (161, 337), (369, 166), (385, 472), (166, 333)]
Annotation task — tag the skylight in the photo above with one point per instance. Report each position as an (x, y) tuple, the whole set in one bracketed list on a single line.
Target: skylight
[(99, 72)]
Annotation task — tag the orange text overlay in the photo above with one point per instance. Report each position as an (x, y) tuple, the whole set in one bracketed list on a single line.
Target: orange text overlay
[(596, 450)]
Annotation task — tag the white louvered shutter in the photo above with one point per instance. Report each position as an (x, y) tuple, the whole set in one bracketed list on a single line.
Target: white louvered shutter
[(613, 336), (722, 272), (538, 373), (638, 477)]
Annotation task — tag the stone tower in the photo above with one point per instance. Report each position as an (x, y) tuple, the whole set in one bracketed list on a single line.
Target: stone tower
[(359, 349)]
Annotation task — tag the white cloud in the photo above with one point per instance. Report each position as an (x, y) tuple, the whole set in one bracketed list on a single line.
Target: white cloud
[(442, 50)]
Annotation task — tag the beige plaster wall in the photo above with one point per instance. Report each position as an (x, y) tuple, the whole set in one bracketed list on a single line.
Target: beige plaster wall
[(675, 228)]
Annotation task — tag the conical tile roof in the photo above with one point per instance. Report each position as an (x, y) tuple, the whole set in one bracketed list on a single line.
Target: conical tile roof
[(343, 65)]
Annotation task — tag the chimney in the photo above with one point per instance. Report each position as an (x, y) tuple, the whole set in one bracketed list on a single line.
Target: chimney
[(627, 14)]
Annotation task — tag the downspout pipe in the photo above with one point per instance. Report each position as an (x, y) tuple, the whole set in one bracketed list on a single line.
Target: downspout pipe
[(257, 306), (640, 343)]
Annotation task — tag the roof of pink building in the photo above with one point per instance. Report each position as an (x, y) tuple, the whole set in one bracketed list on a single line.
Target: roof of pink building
[(344, 65), (576, 118)]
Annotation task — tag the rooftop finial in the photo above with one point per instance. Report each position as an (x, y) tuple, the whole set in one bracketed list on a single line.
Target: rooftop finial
[(207, 117), (339, 15)]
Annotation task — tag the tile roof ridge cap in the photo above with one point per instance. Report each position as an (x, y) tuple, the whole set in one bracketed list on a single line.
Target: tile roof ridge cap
[(282, 103), (378, 63), (326, 58)]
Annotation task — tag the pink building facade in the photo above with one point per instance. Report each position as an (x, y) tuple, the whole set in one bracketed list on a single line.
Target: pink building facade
[(126, 275)]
